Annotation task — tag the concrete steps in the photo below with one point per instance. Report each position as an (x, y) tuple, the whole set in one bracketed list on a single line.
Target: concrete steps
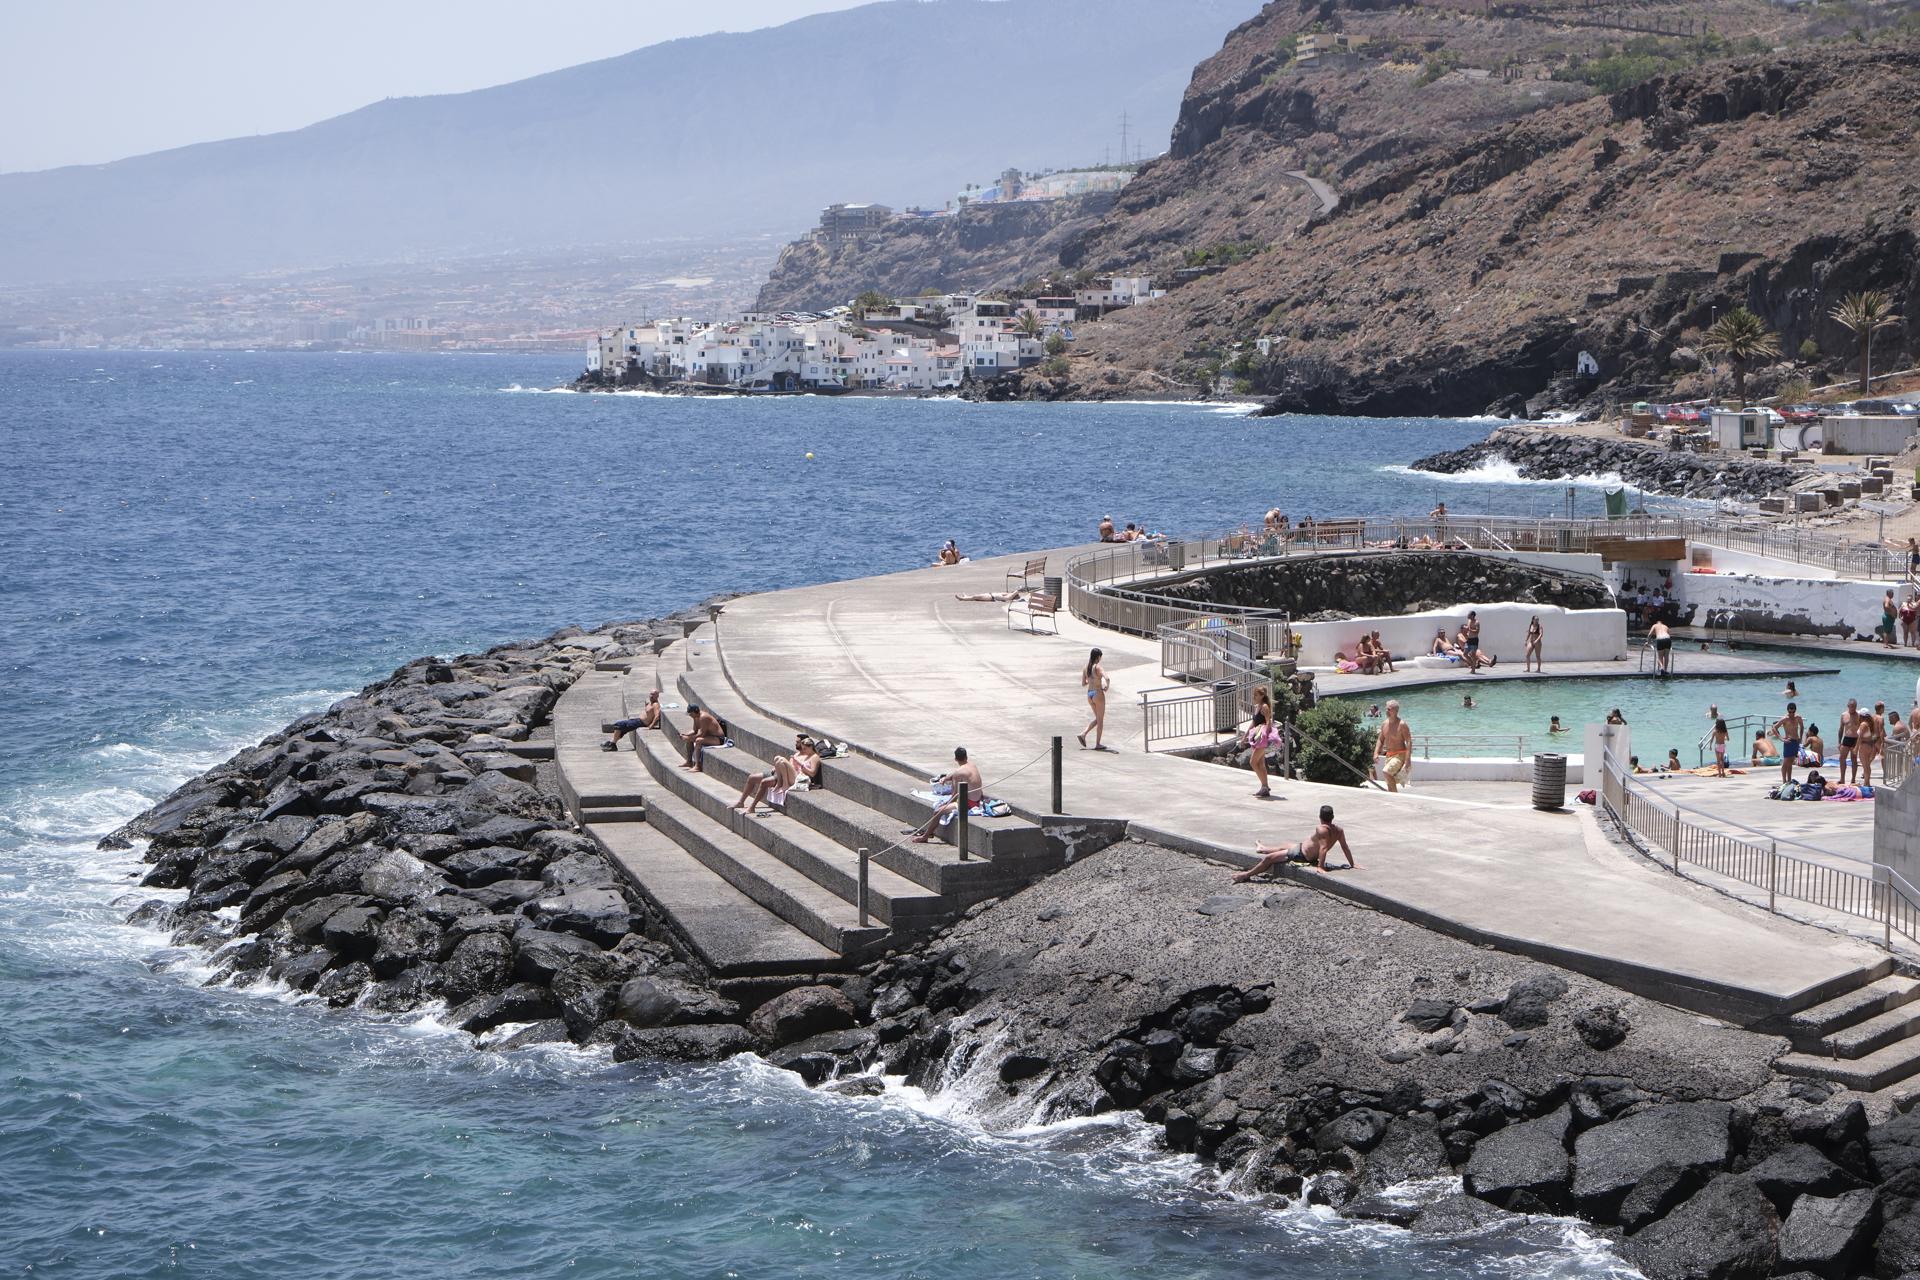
[(842, 819), (1809, 1026), (733, 936), (1879, 1069), (895, 900), (814, 910), (592, 780), (1866, 1039), (764, 901), (697, 672)]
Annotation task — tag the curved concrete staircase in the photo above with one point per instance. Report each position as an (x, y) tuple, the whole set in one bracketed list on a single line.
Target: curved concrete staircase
[(772, 899)]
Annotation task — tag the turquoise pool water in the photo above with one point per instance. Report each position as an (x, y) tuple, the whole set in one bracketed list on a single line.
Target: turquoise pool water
[(1661, 713)]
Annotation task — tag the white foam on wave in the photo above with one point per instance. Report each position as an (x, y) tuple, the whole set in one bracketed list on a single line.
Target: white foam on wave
[(1501, 471)]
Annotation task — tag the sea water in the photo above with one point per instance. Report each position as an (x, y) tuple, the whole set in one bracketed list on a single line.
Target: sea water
[(201, 546)]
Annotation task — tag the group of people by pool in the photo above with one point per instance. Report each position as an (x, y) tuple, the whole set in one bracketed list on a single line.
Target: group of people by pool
[(1864, 736)]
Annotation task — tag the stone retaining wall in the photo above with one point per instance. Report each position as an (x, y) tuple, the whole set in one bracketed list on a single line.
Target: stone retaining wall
[(1323, 588)]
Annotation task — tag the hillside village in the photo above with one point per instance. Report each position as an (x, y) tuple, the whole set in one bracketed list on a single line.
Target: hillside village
[(932, 342)]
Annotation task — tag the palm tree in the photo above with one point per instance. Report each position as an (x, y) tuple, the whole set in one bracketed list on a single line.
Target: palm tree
[(1029, 323), (1863, 314), (1742, 338)]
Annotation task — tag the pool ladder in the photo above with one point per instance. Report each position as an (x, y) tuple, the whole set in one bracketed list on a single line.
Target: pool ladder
[(1725, 626), (1649, 659)]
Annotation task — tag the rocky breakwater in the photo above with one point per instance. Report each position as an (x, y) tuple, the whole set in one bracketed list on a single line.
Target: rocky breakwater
[(1548, 455), (393, 852), (1314, 1050), (1318, 588)]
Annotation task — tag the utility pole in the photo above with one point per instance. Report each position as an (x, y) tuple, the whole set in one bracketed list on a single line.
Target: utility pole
[(1123, 137)]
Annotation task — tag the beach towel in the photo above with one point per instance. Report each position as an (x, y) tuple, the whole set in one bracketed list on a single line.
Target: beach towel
[(978, 809), (1848, 793)]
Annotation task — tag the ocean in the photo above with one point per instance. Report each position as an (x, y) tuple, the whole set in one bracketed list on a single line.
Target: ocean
[(201, 546)]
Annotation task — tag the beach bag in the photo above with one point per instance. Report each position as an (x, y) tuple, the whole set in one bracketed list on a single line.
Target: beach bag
[(1785, 791), (1587, 797), (1810, 791), (998, 809)]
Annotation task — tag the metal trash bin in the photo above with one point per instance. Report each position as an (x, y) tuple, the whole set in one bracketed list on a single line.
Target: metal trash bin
[(1056, 588), (1549, 781), (1177, 554), (1226, 706)]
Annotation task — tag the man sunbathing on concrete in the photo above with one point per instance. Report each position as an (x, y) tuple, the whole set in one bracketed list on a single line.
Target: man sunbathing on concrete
[(649, 718), (1310, 852), (963, 771), (706, 732)]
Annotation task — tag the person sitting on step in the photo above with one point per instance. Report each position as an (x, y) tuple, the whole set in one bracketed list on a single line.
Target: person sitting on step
[(789, 772), (707, 732), (649, 718), (963, 771)]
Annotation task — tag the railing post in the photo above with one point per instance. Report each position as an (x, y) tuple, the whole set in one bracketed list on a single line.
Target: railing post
[(1058, 761), (1676, 842), (960, 817), (1886, 914), (861, 895), (1773, 872)]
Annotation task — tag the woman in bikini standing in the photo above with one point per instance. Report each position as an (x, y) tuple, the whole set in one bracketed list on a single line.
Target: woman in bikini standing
[(1094, 680), (1532, 660), (1868, 730)]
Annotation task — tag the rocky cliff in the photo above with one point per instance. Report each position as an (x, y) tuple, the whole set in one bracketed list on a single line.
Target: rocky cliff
[(1543, 455), (977, 247), (1491, 225)]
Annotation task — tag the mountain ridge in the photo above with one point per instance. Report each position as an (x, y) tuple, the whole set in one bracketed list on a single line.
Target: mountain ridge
[(717, 134)]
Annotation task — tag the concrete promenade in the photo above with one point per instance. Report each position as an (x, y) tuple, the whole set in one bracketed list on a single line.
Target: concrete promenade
[(905, 671)]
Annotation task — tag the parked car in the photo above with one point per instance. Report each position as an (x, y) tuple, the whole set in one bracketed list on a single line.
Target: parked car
[(1800, 413), (1878, 408)]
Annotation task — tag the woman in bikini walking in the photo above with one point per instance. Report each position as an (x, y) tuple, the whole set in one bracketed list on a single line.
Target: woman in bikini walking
[(1094, 680), (1262, 734)]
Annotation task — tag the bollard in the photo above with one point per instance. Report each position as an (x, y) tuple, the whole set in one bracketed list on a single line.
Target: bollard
[(1057, 763), (861, 897), (961, 804)]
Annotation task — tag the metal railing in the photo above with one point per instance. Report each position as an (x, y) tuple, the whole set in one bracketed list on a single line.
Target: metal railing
[(1096, 592), (1740, 731), (1220, 668), (1660, 824), (1505, 746)]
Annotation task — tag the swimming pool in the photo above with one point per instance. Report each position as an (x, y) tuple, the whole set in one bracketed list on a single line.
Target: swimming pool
[(1661, 713)]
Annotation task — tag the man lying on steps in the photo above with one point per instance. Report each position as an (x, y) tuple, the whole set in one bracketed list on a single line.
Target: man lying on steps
[(1312, 851), (962, 771), (706, 732)]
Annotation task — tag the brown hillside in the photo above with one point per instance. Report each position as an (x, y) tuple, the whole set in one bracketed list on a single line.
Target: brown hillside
[(1493, 224)]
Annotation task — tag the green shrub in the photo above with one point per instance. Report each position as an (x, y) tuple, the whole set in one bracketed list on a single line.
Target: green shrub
[(1056, 367), (1056, 345), (1809, 350), (1335, 746)]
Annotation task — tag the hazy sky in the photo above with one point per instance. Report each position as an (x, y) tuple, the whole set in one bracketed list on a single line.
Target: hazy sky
[(84, 81)]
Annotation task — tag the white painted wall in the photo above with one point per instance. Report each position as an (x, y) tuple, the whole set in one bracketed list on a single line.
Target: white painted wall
[(1805, 606), (1571, 635)]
